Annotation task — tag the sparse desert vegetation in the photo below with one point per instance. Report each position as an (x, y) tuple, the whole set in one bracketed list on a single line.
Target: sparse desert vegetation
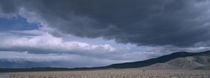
[(113, 73)]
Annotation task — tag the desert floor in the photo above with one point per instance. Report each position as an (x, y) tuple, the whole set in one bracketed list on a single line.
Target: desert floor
[(112, 73)]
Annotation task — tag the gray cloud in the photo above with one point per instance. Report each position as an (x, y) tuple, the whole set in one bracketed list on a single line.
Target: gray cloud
[(25, 59), (40, 47), (44, 43), (180, 23), (36, 48)]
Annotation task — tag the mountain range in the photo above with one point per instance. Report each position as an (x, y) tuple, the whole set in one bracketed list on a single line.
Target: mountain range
[(178, 60)]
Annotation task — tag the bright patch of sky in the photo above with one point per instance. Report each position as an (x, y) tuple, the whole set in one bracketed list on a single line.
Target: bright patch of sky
[(16, 23)]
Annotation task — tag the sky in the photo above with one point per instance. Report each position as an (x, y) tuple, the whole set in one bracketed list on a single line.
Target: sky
[(89, 33)]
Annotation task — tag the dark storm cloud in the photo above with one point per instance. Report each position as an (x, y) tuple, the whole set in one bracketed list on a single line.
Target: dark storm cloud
[(142, 22)]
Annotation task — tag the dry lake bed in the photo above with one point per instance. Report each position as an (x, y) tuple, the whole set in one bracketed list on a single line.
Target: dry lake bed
[(111, 73)]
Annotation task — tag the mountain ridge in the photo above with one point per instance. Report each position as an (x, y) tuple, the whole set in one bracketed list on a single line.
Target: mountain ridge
[(178, 60), (160, 59)]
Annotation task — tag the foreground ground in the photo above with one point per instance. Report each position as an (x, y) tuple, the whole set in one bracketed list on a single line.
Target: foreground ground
[(112, 73)]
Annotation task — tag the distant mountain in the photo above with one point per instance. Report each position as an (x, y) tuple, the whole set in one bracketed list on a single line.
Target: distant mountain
[(179, 60), (20, 64), (7, 63)]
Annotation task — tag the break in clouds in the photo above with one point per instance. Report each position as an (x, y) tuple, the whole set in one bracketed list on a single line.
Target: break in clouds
[(156, 27)]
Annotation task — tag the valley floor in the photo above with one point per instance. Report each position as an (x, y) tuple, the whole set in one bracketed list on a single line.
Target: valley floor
[(112, 73)]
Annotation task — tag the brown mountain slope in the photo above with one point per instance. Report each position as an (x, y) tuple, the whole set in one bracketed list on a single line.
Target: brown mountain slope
[(201, 61)]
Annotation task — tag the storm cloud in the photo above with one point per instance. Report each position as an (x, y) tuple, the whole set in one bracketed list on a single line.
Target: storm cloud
[(180, 23)]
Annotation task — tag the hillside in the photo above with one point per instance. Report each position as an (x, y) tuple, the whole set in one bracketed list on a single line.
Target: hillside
[(179, 60), (190, 62)]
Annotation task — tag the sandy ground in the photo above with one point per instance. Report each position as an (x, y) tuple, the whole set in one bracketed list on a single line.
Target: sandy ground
[(112, 73)]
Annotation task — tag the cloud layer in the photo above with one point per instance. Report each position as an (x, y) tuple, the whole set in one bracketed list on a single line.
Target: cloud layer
[(155, 22), (25, 59), (43, 43), (40, 49), (63, 28), (36, 46)]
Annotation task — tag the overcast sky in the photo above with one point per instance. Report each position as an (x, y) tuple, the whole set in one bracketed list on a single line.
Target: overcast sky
[(86, 33)]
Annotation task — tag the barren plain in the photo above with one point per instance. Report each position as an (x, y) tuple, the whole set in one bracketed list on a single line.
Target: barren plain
[(111, 73)]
